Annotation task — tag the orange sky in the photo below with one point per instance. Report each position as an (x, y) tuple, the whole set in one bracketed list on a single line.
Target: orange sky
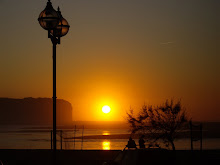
[(117, 53)]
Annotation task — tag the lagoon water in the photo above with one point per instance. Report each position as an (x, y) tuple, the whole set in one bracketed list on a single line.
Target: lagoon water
[(21, 137)]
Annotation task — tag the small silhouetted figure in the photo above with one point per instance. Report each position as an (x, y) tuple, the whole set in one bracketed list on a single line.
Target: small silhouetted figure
[(157, 145), (131, 143), (141, 142)]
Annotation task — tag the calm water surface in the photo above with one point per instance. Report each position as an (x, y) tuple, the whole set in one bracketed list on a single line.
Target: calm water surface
[(18, 137)]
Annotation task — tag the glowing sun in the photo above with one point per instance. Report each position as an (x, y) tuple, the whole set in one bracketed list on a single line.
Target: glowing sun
[(106, 109)]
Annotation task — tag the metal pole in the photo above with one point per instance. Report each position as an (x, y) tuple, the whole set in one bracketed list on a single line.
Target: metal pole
[(201, 136), (191, 135), (74, 137), (82, 138), (54, 103), (61, 140), (51, 139)]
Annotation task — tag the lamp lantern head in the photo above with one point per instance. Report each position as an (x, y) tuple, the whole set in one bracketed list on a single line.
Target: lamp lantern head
[(49, 18), (62, 28)]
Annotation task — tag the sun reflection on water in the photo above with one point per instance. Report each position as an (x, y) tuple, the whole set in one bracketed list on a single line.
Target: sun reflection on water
[(105, 133), (106, 145)]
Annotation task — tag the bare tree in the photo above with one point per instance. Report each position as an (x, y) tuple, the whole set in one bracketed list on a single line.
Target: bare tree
[(162, 122)]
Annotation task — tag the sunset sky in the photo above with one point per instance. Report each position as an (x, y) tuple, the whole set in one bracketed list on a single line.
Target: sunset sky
[(120, 53)]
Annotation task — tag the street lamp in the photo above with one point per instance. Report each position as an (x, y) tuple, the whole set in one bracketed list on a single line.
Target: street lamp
[(53, 21)]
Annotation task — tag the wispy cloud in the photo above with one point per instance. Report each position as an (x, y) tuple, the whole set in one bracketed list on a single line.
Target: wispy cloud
[(166, 43)]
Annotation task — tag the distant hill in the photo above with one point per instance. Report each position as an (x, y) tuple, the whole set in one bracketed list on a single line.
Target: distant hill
[(34, 111)]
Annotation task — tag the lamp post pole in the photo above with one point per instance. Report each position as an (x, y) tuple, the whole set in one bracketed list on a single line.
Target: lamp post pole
[(53, 21), (54, 98), (54, 41)]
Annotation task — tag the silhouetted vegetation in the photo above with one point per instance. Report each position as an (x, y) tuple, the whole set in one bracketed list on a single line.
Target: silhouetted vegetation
[(161, 122)]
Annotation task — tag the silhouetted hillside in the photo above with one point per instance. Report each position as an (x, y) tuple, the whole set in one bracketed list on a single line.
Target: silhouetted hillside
[(37, 111)]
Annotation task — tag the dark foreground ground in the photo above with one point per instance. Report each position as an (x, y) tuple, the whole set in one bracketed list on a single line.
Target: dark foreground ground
[(98, 157)]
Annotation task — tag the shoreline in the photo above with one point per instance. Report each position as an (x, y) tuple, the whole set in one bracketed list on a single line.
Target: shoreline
[(115, 136)]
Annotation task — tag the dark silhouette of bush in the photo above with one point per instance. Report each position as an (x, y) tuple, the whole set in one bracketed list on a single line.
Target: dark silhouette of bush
[(161, 122)]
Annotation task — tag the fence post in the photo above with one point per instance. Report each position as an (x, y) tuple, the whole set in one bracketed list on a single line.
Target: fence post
[(61, 139), (51, 139), (74, 138), (201, 136), (82, 138), (191, 136)]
